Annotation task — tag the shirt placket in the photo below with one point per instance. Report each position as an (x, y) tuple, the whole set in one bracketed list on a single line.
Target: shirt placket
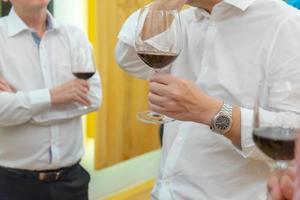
[(208, 43), (170, 163), (54, 129), (174, 152)]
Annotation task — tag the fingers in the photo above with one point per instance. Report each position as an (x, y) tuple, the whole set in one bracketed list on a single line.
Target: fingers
[(4, 86), (157, 99), (83, 88), (158, 89), (2, 81), (82, 99), (163, 102), (287, 186), (274, 191), (72, 91), (162, 78), (281, 185), (156, 108), (80, 95), (82, 83), (291, 173)]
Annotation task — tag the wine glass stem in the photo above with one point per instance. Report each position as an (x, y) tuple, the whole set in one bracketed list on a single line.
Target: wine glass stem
[(282, 164)]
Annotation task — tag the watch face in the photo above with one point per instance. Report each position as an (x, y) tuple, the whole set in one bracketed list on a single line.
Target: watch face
[(222, 122)]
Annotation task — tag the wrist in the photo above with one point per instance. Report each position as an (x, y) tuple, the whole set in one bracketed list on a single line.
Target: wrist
[(212, 108), (52, 97)]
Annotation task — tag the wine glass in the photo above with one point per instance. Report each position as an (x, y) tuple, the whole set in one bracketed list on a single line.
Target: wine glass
[(83, 66), (158, 42), (276, 121)]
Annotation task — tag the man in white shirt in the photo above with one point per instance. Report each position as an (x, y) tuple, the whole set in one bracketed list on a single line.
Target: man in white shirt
[(229, 47), (41, 141)]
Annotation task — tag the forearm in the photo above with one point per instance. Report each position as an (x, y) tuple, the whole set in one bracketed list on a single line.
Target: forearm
[(18, 108), (64, 112)]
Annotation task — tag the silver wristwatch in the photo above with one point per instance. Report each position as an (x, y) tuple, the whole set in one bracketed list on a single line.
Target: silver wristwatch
[(222, 121)]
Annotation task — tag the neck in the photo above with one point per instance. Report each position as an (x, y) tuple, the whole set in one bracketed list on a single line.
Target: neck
[(35, 19), (205, 4)]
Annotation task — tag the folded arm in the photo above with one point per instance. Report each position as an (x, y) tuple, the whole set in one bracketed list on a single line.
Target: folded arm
[(67, 99), (19, 107)]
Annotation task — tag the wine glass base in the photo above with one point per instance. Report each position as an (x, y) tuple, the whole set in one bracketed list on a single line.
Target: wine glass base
[(153, 118)]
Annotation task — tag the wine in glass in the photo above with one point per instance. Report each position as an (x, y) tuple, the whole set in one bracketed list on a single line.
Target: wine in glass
[(277, 121), (158, 42), (83, 66)]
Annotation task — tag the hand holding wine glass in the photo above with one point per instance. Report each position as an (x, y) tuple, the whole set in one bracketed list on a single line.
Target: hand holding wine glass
[(158, 43), (69, 92), (83, 66)]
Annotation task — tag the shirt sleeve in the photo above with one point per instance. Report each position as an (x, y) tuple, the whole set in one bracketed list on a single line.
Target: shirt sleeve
[(65, 112), (283, 65), (18, 108), (248, 148)]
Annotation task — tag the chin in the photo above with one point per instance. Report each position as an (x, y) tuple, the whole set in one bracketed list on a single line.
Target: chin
[(40, 3)]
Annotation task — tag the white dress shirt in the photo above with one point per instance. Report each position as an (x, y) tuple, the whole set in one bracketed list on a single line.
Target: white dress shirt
[(226, 53), (33, 134)]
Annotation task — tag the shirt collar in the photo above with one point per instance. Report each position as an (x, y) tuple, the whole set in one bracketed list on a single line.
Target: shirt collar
[(241, 4), (16, 24)]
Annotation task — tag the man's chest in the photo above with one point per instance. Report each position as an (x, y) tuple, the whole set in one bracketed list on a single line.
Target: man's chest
[(223, 64), (27, 66)]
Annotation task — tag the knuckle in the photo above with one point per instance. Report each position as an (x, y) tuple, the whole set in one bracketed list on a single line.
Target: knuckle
[(175, 94), (171, 104), (150, 97)]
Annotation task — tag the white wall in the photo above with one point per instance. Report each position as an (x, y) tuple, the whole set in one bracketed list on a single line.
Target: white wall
[(72, 11)]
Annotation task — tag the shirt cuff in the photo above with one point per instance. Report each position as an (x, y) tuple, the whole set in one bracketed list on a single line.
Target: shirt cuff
[(247, 143), (40, 101)]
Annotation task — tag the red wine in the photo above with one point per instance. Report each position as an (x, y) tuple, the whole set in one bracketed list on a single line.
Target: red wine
[(157, 60), (83, 75), (276, 142)]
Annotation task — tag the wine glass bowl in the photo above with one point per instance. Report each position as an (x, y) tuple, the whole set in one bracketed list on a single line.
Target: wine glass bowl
[(158, 42), (276, 142), (276, 125)]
